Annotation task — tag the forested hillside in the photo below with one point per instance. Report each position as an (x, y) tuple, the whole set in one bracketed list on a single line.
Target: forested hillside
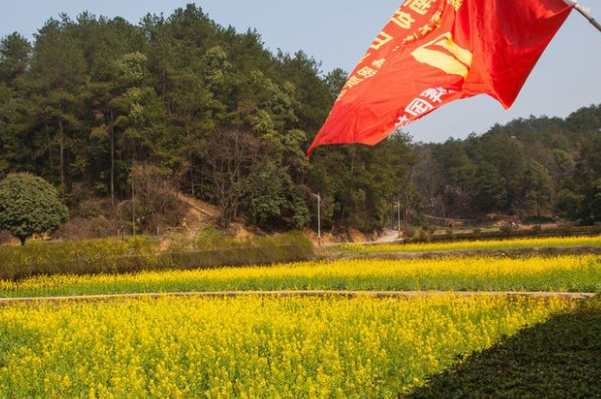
[(529, 167), (100, 106), (211, 109)]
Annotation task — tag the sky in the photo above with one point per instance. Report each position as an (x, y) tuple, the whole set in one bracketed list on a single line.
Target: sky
[(337, 33)]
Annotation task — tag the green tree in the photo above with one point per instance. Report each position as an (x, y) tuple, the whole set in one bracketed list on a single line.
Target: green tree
[(569, 205), (57, 73), (539, 189), (489, 189), (29, 205), (335, 80), (14, 57)]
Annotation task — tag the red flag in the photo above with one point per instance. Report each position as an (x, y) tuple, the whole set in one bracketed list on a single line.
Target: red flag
[(433, 52)]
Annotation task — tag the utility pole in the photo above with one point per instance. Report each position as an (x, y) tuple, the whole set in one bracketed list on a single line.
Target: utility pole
[(133, 202), (398, 204), (318, 196)]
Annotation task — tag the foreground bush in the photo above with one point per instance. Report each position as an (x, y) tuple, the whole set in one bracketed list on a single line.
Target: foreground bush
[(111, 256), (30, 205)]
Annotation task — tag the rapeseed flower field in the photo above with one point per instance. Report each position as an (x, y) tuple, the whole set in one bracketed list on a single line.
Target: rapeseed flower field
[(251, 347), (484, 245), (573, 273)]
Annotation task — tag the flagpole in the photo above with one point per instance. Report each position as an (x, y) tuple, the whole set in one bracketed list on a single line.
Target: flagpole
[(586, 13)]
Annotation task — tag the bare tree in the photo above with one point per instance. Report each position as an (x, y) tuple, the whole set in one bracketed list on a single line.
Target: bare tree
[(156, 204), (233, 161)]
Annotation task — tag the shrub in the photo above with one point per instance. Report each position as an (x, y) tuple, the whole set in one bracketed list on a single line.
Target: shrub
[(84, 229), (534, 220), (101, 227), (210, 238), (431, 229), (29, 205), (424, 235), (156, 204), (94, 208), (5, 238), (75, 229)]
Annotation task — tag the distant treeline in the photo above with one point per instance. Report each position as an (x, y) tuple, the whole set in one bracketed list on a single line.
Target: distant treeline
[(95, 104), (536, 167)]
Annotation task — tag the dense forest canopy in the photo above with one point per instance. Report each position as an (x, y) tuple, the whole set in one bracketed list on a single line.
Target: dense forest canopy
[(529, 167), (94, 102)]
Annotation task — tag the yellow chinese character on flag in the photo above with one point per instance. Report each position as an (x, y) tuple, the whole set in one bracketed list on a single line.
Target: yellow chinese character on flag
[(353, 81), (403, 19), (379, 63), (435, 94), (420, 6), (424, 30), (455, 3), (382, 39), (419, 107), (367, 72), (436, 18)]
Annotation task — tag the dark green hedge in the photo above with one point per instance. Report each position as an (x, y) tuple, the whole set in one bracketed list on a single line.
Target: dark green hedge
[(508, 234), (560, 358)]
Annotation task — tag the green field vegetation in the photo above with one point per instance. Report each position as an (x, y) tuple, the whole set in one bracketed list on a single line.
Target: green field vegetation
[(209, 249), (249, 347), (564, 273), (488, 245), (558, 359)]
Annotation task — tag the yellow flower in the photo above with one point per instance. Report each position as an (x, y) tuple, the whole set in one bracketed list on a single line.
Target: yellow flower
[(252, 347)]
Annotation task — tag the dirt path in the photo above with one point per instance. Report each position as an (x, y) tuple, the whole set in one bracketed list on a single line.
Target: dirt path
[(347, 294), (199, 214), (203, 208), (388, 237)]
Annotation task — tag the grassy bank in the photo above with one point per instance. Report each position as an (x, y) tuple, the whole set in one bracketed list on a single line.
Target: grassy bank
[(563, 273), (111, 256)]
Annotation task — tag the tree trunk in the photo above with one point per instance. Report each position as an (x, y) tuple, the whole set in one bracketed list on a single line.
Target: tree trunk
[(22, 239), (49, 141), (61, 145), (190, 166), (352, 188), (112, 134)]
